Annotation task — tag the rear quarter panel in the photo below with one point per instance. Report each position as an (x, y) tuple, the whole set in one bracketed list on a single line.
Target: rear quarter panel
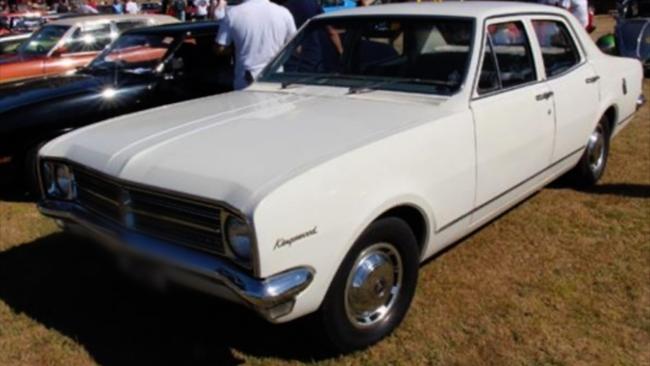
[(621, 84)]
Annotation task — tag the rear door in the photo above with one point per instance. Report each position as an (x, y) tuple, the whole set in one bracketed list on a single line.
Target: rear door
[(573, 82), (513, 113)]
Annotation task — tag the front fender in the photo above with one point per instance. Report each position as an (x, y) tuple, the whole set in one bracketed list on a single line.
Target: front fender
[(314, 218)]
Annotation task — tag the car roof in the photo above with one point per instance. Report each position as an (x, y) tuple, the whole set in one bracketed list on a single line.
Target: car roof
[(159, 19), (471, 9), (175, 28)]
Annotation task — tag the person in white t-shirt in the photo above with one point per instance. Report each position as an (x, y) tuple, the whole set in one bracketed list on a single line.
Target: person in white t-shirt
[(258, 29), (201, 9), (131, 7), (579, 8)]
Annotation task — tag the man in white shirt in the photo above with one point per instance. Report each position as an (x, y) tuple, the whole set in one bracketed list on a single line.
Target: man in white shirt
[(579, 8), (131, 7), (258, 29)]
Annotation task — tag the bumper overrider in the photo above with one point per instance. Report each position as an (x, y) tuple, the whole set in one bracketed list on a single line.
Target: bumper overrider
[(272, 297)]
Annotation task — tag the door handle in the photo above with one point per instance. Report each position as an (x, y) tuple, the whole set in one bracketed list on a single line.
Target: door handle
[(592, 79), (544, 96)]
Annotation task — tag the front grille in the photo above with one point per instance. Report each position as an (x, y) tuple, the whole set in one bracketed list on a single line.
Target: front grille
[(172, 218)]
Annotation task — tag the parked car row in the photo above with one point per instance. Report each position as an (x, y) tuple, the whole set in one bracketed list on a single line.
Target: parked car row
[(376, 138), (144, 68), (69, 43)]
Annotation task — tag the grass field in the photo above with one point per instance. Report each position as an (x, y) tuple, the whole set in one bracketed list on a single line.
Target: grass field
[(563, 279)]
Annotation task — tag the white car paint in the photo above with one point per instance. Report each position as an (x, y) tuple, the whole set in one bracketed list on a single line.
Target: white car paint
[(294, 159)]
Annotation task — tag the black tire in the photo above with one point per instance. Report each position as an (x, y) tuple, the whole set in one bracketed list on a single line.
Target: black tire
[(344, 333), (593, 162), (30, 171)]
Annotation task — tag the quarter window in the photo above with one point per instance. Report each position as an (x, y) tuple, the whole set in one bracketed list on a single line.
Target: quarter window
[(558, 49), (511, 47), (489, 77)]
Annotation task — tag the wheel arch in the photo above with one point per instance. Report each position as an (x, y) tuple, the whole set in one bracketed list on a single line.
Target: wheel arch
[(415, 218), (612, 117)]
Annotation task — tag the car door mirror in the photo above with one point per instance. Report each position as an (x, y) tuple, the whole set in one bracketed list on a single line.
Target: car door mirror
[(607, 44), (60, 51)]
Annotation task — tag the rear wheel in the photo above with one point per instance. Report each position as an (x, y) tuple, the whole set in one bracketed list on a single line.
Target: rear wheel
[(373, 287), (591, 166)]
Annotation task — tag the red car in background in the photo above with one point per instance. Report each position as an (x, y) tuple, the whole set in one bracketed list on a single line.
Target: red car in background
[(67, 44)]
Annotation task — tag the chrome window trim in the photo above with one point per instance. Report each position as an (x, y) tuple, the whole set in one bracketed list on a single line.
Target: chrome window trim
[(525, 18)]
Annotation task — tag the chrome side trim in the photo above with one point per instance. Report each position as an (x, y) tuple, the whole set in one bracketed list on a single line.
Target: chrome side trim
[(272, 297)]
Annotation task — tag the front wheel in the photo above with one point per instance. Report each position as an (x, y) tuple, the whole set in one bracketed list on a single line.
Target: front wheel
[(373, 287), (591, 166)]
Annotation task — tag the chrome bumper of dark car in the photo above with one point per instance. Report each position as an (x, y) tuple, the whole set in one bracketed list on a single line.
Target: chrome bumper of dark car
[(640, 101), (272, 297)]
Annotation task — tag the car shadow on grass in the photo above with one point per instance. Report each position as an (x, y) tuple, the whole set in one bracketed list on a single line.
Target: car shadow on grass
[(68, 284), (630, 190), (621, 189)]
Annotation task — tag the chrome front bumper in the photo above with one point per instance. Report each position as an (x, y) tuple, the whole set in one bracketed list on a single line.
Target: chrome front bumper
[(272, 297)]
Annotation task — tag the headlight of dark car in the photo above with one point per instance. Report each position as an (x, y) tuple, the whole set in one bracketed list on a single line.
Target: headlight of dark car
[(59, 181), (240, 238)]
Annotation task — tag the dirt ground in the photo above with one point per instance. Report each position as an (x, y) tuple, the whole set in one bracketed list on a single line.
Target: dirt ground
[(563, 279)]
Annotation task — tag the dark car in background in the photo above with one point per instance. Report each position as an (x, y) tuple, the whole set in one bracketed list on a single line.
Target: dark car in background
[(631, 36), (143, 68), (151, 8)]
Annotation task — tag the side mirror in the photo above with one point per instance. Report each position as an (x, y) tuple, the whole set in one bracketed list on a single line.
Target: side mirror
[(59, 52), (607, 44)]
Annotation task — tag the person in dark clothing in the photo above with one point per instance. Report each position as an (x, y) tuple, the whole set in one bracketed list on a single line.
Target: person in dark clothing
[(319, 49), (303, 10)]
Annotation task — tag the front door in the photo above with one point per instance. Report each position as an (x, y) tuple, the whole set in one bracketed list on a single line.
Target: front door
[(513, 114)]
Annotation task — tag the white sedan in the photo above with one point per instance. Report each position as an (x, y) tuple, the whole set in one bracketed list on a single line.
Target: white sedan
[(375, 139)]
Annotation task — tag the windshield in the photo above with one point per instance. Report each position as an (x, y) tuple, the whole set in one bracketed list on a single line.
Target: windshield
[(135, 53), (411, 54), (41, 42)]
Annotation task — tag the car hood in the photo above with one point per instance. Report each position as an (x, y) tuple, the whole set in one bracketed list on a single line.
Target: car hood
[(237, 146), (19, 94)]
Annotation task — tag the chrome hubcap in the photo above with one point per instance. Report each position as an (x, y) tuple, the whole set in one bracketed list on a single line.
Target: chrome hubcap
[(596, 149), (373, 285)]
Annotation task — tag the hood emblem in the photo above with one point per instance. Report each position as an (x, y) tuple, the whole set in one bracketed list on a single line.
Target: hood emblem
[(288, 242)]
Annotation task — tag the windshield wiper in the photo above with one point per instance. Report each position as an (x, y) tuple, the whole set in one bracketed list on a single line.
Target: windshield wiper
[(380, 84), (287, 84)]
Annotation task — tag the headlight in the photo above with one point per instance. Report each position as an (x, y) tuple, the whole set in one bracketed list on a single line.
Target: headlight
[(59, 181), (239, 238)]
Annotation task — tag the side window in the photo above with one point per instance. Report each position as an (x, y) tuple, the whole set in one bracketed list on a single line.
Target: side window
[(512, 49), (558, 49), (92, 38), (489, 77)]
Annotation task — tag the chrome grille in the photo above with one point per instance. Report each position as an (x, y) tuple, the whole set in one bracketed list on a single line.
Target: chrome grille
[(177, 219)]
